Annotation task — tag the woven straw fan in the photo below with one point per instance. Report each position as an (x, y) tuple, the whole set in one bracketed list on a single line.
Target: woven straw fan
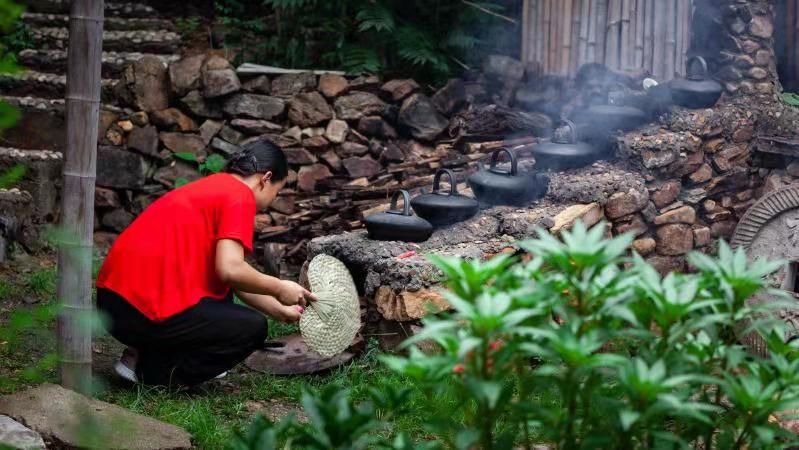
[(329, 324)]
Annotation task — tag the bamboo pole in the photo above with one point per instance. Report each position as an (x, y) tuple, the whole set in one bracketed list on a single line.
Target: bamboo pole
[(566, 36), (670, 17), (592, 32), (548, 35), (574, 58), (626, 56), (75, 252), (540, 34), (659, 43), (649, 36), (602, 29), (612, 33), (585, 23), (679, 66), (525, 56), (640, 18)]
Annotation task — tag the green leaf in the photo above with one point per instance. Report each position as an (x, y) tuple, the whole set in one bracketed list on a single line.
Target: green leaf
[(185, 156), (790, 98), (179, 182), (214, 163), (628, 418)]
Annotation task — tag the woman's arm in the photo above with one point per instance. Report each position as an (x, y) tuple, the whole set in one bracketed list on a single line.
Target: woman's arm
[(234, 271), (269, 305)]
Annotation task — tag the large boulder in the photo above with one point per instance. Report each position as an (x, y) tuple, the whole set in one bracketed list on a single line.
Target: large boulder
[(358, 104), (309, 109), (400, 89), (183, 142), (120, 169), (420, 117), (144, 140), (199, 106), (219, 78), (451, 97), (309, 175), (61, 416), (173, 118), (145, 84), (184, 75), (254, 106), (293, 83), (331, 85)]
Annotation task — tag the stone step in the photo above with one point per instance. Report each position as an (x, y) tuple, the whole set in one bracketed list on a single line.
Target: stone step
[(56, 60), (147, 41), (44, 85), (39, 20), (42, 178), (42, 124), (112, 9)]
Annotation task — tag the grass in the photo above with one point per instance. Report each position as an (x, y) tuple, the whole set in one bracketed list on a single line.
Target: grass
[(27, 346)]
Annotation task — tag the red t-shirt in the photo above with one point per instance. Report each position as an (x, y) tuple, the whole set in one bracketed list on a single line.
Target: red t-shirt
[(163, 263)]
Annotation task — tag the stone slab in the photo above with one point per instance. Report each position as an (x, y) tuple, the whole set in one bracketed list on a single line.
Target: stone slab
[(16, 435), (72, 420)]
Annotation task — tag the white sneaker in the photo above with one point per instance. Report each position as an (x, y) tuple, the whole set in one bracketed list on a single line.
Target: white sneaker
[(125, 372), (221, 375)]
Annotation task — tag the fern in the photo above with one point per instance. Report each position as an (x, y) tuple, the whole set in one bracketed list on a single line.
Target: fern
[(458, 38), (416, 47), (359, 60), (289, 4), (375, 17)]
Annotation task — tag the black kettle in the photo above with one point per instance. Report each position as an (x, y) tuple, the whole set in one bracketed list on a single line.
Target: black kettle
[(398, 224), (696, 90), (494, 186), (444, 208), (565, 151)]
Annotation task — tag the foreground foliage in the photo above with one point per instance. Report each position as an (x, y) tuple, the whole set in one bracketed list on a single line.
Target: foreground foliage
[(636, 361)]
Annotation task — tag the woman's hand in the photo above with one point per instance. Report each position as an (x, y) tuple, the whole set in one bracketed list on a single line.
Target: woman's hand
[(288, 314), (292, 293)]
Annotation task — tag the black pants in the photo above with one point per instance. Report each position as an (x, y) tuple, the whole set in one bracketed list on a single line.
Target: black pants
[(190, 347)]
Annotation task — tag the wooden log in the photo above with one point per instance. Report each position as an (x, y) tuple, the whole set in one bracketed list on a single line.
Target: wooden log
[(602, 28), (640, 15), (566, 36), (670, 60), (613, 30), (592, 33), (585, 23), (649, 36), (75, 250), (627, 38)]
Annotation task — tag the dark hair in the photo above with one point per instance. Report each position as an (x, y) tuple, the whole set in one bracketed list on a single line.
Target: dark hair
[(260, 156)]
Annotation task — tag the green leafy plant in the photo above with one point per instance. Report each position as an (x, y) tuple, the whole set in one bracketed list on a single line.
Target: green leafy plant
[(187, 26), (211, 164), (586, 347), (424, 39)]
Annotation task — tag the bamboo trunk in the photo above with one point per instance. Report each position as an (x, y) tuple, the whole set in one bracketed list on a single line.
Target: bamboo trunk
[(574, 58), (670, 59), (540, 34), (679, 66), (585, 23), (626, 45), (566, 36), (649, 36), (592, 33), (75, 250), (548, 35), (659, 42), (601, 28), (525, 56), (640, 19), (612, 33)]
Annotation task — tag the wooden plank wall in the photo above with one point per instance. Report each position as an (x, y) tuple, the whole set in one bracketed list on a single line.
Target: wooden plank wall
[(654, 35)]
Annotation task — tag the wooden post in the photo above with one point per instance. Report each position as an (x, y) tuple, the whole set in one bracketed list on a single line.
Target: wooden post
[(75, 249)]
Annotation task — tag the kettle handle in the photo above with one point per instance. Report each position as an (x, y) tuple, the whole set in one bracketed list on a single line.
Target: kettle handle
[(571, 135), (453, 188), (495, 159), (691, 63), (406, 202)]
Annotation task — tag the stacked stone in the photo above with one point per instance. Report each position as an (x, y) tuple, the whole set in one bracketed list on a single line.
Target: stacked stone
[(736, 37), (339, 134)]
